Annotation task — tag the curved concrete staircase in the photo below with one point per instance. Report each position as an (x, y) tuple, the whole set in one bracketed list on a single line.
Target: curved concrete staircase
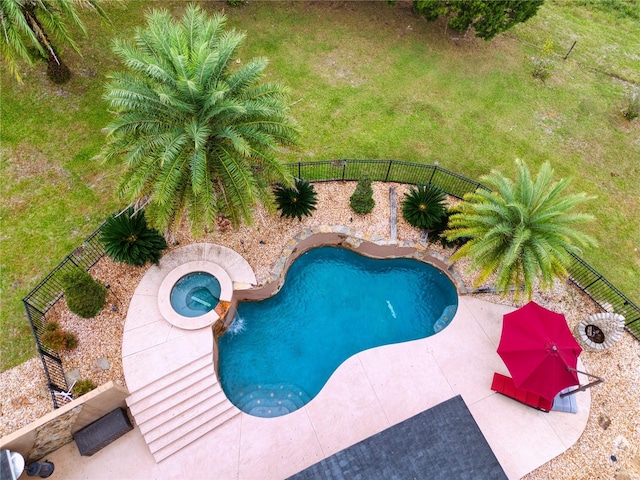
[(180, 407)]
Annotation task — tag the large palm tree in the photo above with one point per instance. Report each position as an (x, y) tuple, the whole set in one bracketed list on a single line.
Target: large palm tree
[(522, 231), (27, 26), (199, 134)]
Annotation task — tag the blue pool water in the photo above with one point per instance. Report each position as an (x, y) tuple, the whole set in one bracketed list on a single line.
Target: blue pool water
[(195, 294), (278, 353)]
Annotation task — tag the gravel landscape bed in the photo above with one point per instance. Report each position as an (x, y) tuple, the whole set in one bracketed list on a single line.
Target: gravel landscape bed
[(608, 448)]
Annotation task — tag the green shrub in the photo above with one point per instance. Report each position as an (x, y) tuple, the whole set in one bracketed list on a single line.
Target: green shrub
[(436, 235), (423, 207), (297, 201), (127, 238), (362, 199), (71, 340), (82, 386), (84, 295), (632, 109), (543, 63), (57, 339)]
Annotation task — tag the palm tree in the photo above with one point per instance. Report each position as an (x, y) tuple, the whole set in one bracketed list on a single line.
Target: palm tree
[(198, 137), (27, 26), (520, 232)]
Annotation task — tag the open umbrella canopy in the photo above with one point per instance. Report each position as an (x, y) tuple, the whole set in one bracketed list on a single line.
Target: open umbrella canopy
[(537, 347)]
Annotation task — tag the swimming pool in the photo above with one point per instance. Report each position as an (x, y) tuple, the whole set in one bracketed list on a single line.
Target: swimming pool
[(279, 352)]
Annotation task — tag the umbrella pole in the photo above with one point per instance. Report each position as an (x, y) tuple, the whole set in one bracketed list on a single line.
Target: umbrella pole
[(582, 388)]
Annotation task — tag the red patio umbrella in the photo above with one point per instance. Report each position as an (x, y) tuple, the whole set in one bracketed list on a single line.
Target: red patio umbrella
[(539, 350)]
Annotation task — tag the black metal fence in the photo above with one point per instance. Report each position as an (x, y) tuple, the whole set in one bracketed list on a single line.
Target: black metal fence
[(43, 297), (385, 171), (49, 291), (604, 293)]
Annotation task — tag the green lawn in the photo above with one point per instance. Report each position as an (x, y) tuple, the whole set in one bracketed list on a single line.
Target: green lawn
[(368, 81)]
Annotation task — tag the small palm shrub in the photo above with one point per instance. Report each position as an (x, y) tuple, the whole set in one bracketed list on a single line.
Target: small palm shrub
[(362, 199), (297, 201), (84, 295), (82, 386), (423, 207), (128, 239), (57, 339), (437, 233)]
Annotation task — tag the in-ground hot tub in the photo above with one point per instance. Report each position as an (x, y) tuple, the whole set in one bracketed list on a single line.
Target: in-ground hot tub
[(193, 295)]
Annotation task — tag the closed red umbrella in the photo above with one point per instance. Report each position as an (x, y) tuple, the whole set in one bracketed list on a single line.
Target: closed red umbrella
[(539, 350)]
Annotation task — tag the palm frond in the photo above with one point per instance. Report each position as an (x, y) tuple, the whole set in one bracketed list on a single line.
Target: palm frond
[(238, 184)]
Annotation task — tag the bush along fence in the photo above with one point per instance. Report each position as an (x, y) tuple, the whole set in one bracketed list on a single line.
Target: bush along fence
[(44, 296)]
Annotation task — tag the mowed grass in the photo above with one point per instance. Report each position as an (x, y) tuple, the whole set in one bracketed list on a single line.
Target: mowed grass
[(367, 81)]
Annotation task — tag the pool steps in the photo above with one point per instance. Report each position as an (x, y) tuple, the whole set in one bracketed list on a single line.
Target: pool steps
[(204, 400), (150, 418), (169, 380), (272, 400), (180, 407)]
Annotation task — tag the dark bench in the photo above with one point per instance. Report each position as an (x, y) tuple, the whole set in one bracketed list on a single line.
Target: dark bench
[(102, 432)]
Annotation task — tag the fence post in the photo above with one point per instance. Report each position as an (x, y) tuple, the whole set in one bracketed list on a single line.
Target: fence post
[(574, 44), (344, 167), (595, 281), (433, 172), (386, 178), (299, 166)]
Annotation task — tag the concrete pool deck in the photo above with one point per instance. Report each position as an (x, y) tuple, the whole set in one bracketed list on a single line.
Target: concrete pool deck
[(370, 392)]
